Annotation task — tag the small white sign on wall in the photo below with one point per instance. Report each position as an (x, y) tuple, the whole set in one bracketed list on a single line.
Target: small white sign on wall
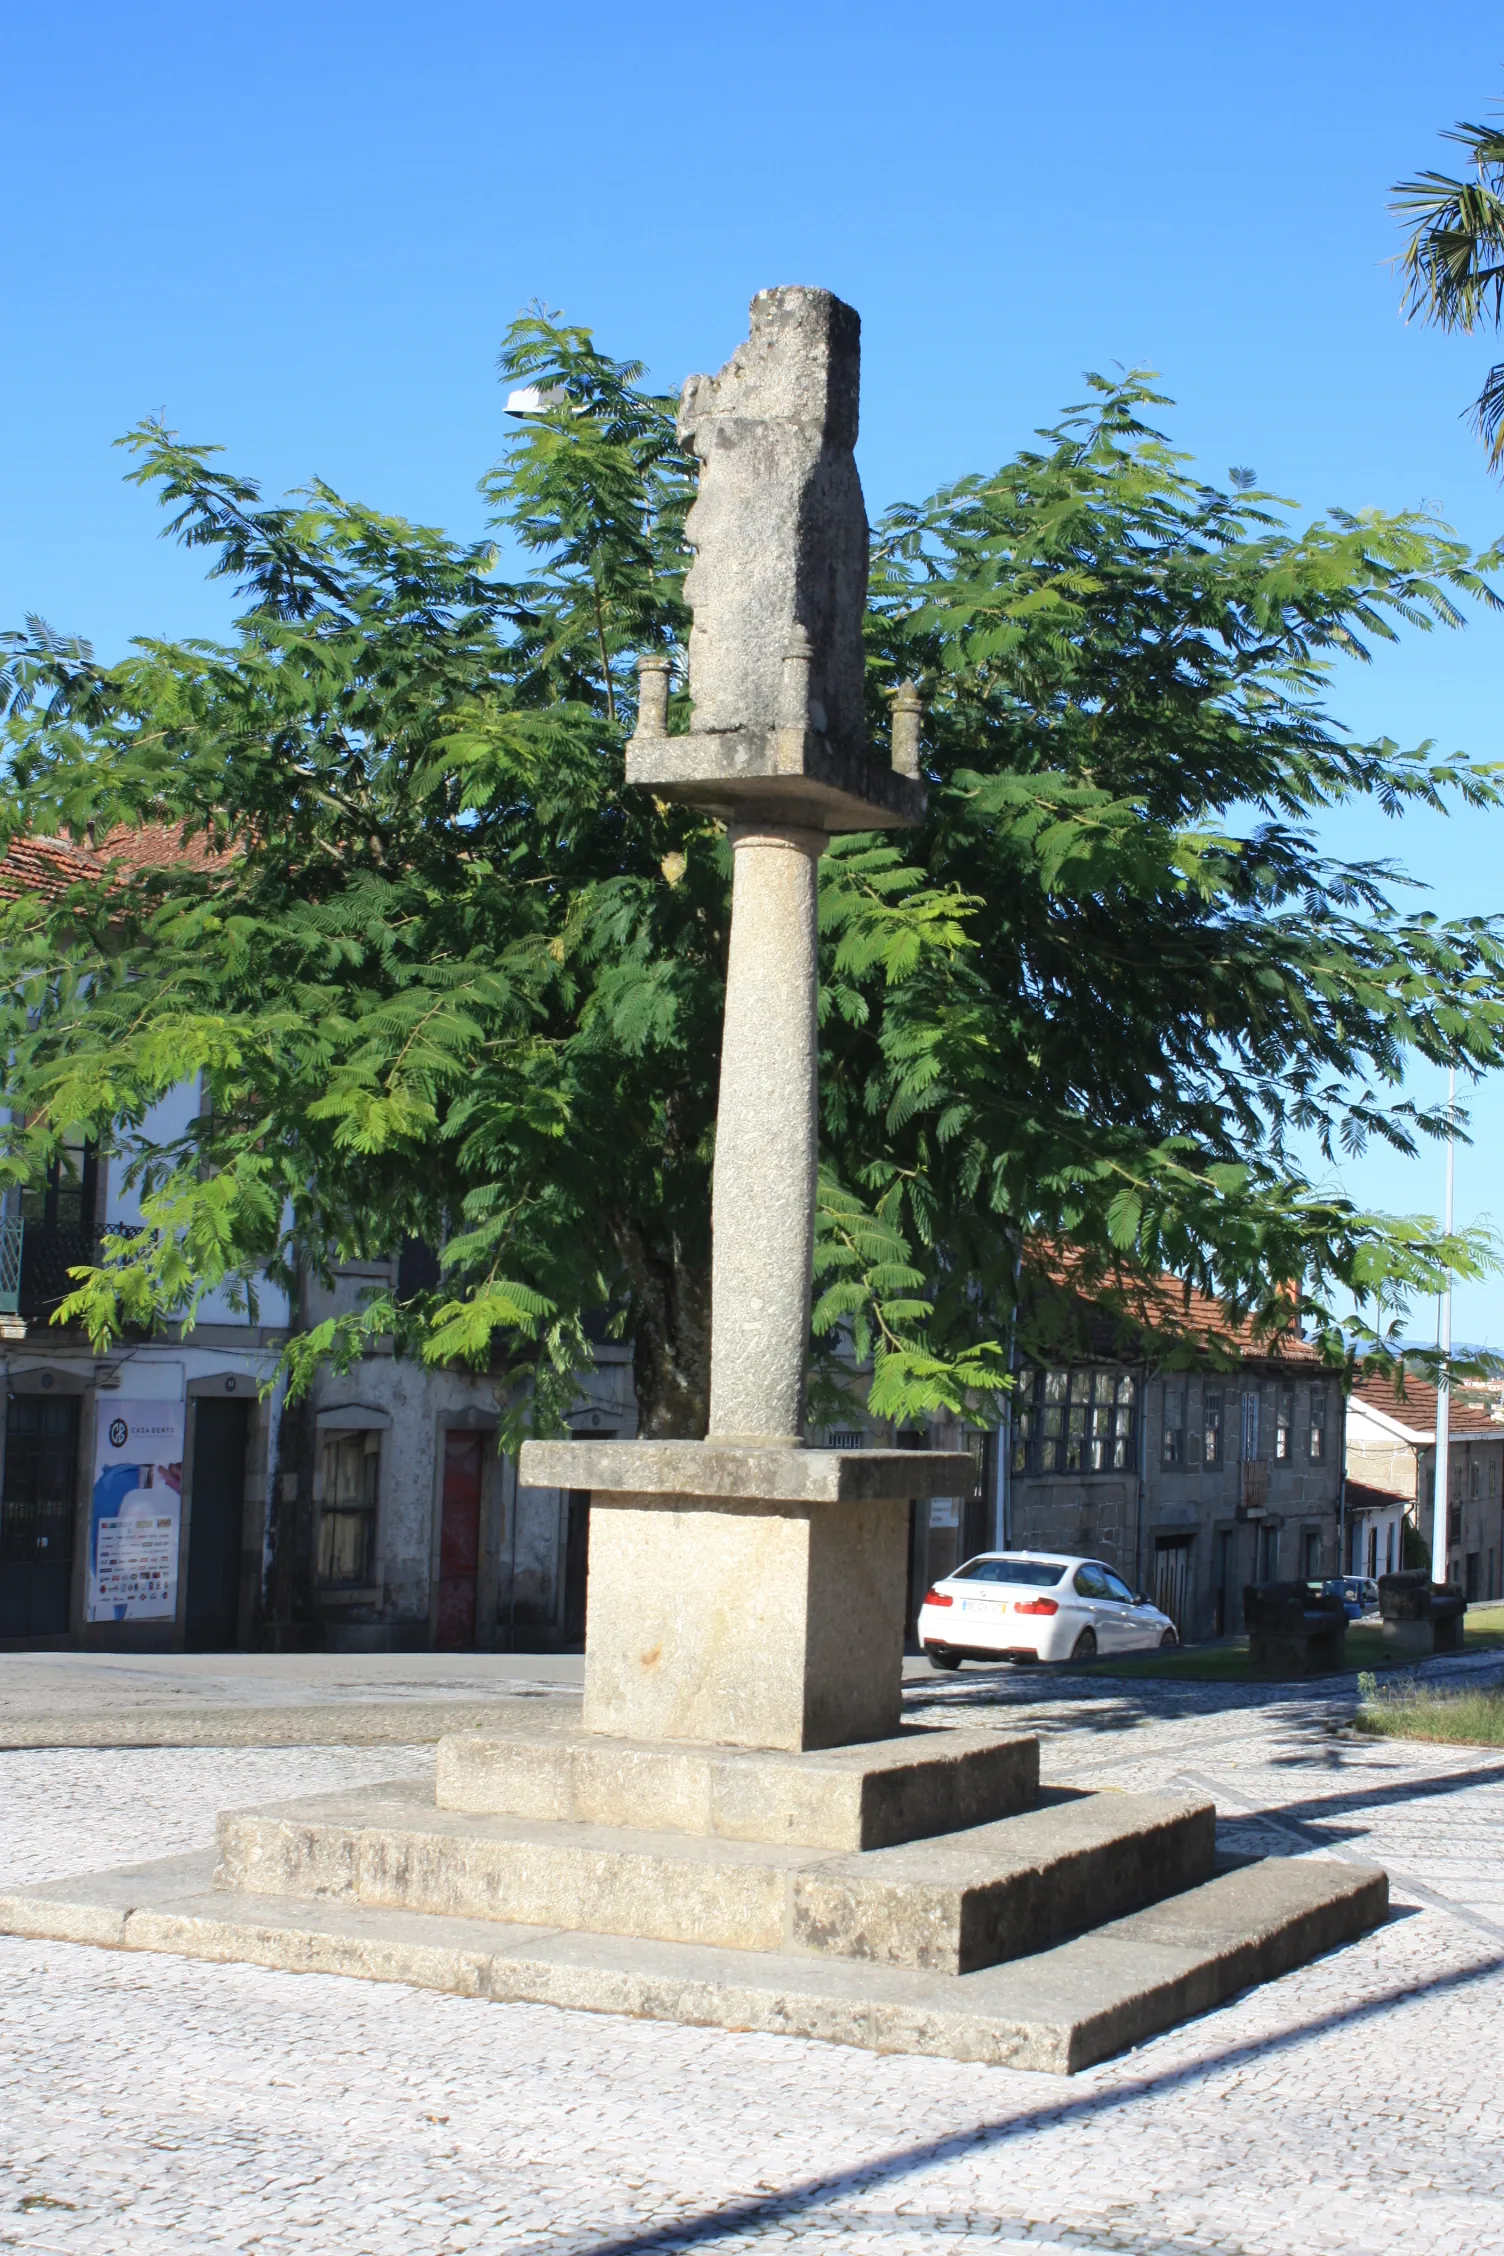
[(945, 1511)]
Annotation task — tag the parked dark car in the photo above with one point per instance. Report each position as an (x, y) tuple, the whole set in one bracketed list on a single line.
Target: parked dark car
[(1359, 1594)]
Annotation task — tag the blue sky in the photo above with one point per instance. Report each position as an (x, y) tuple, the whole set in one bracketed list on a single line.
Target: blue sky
[(301, 229)]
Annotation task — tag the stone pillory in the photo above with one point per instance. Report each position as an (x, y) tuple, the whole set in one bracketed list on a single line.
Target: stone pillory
[(746, 1590), (737, 1830)]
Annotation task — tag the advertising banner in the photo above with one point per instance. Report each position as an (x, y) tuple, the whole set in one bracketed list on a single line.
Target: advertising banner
[(137, 1511)]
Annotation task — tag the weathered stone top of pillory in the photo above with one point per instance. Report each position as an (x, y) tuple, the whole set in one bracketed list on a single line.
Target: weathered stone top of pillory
[(779, 591), (702, 1470)]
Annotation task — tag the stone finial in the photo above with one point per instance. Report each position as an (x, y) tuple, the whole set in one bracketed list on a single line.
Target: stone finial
[(778, 527), (907, 712), (652, 694)]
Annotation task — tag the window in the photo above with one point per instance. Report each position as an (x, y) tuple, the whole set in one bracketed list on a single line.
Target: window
[(1318, 1424), (1268, 1553), (1284, 1424), (1174, 1441), (1250, 1427), (1075, 1422), (1475, 1479), (64, 1199), (1029, 1574), (844, 1437), (1023, 1422), (1091, 1582), (1471, 1585), (1116, 1588), (347, 1524), (1311, 1546), (1211, 1425), (1054, 1387)]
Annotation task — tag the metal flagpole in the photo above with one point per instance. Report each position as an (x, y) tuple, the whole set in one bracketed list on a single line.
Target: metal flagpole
[(1440, 1505)]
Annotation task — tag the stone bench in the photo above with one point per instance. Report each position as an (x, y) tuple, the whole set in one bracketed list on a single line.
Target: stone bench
[(1420, 1616), (1293, 1630)]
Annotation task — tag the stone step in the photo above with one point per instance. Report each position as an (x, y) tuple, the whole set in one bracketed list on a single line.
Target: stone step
[(968, 1900), (869, 1796), (949, 1904), (1060, 2010)]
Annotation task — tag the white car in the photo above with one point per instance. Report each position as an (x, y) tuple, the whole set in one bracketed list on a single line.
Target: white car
[(1036, 1606)]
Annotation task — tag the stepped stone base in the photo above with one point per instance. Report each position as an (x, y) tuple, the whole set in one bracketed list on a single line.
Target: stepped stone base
[(919, 1781), (950, 1904), (1060, 2010), (922, 1893)]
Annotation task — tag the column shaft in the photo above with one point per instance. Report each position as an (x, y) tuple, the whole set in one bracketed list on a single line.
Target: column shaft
[(767, 1138)]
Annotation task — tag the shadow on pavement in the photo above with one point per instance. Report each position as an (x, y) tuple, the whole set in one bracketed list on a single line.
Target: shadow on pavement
[(814, 2194)]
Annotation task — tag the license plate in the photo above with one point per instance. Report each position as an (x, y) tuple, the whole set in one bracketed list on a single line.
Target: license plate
[(983, 1606)]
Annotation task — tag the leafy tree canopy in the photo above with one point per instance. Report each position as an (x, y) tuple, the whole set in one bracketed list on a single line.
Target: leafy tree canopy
[(446, 977)]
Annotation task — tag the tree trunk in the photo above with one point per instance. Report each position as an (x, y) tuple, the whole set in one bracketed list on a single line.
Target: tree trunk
[(671, 1346)]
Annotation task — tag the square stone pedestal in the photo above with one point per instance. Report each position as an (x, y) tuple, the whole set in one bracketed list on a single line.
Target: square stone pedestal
[(750, 1597)]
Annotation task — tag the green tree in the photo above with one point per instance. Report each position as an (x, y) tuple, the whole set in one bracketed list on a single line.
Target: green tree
[(447, 977), (1453, 260)]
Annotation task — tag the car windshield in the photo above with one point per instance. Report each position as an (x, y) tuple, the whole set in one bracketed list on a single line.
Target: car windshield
[(1033, 1574)]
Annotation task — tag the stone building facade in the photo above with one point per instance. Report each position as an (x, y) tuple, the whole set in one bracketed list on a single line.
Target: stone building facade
[(1189, 1484), (1391, 1482), (376, 1514)]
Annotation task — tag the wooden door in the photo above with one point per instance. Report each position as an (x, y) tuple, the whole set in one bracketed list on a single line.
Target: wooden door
[(216, 1525), (37, 1514), (1172, 1581), (459, 1538)]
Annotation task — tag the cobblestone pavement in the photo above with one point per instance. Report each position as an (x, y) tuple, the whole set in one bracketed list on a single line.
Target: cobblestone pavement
[(157, 2104)]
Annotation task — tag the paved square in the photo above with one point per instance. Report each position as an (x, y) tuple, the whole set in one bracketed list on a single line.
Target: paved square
[(154, 2103)]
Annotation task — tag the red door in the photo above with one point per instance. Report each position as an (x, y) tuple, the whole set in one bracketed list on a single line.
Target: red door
[(459, 1539)]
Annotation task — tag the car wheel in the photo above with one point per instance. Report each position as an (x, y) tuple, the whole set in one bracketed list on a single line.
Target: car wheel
[(1085, 1647), (1168, 1640), (939, 1660)]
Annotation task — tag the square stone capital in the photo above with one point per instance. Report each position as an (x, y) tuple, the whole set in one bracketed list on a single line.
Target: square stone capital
[(777, 774), (718, 1470)]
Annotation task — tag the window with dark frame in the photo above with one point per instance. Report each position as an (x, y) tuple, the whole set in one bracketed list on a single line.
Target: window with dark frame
[(1284, 1424), (63, 1199), (1318, 1425), (1174, 1432), (1077, 1421), (1211, 1425), (347, 1518)]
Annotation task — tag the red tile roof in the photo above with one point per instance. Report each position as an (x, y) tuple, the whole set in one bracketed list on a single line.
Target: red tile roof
[(50, 865), (158, 846), (45, 865), (1163, 1307), (1416, 1408), (1362, 1498)]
